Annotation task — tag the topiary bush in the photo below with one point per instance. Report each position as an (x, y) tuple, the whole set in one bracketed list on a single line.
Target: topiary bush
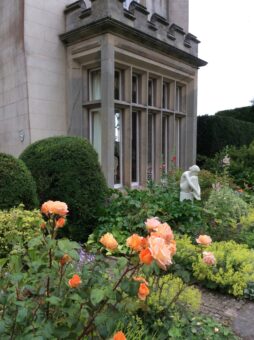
[(67, 169), (16, 184)]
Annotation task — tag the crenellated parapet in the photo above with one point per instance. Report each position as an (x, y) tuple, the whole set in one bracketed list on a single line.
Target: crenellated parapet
[(134, 21)]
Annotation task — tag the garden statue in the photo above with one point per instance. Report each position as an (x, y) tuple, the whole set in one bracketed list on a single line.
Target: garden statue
[(189, 186)]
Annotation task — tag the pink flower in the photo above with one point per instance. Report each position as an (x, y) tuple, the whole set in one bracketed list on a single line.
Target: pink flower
[(208, 258), (164, 231), (160, 251), (152, 223)]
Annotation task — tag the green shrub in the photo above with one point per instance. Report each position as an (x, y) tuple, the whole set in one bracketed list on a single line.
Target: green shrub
[(169, 291), (17, 226), (245, 114), (126, 212), (226, 204), (67, 169), (216, 132), (16, 184)]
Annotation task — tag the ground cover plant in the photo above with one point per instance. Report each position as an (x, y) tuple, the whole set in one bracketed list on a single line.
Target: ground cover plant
[(232, 271), (47, 293)]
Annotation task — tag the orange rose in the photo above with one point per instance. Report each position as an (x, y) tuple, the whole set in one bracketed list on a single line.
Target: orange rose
[(145, 256), (119, 336), (172, 247), (60, 222), (54, 207), (65, 259), (135, 242), (152, 223), (204, 240), (208, 258), (109, 241), (75, 281), (140, 279), (143, 291), (160, 251), (60, 208), (164, 231), (47, 207)]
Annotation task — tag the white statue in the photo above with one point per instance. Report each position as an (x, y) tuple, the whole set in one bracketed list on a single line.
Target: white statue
[(189, 185)]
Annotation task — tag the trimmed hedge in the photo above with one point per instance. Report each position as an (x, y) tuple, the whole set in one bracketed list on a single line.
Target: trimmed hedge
[(16, 184), (67, 169), (216, 132), (241, 113)]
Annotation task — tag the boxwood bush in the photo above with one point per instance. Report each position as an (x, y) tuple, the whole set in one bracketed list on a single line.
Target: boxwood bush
[(67, 169), (16, 184)]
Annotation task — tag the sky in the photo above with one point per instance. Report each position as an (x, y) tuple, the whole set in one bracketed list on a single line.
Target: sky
[(226, 31)]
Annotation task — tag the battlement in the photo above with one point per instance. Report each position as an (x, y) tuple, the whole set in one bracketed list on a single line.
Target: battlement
[(81, 17)]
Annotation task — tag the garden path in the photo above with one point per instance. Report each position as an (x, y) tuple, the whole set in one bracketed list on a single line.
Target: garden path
[(238, 314)]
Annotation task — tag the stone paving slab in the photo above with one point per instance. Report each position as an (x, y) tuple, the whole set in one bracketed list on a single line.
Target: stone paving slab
[(238, 314)]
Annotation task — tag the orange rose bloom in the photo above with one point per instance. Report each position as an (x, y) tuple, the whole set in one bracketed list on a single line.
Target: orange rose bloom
[(160, 251), (60, 222), (140, 279), (143, 291), (65, 259), (119, 336), (152, 223), (109, 241), (135, 242), (204, 240), (145, 256), (75, 281), (47, 207), (60, 208), (165, 231), (172, 247), (54, 207)]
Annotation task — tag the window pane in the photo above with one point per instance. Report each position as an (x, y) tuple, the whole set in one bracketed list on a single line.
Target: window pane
[(117, 85), (178, 140), (135, 147), (165, 96), (165, 129), (118, 149), (151, 146), (150, 92), (95, 132), (135, 88), (179, 99), (95, 85)]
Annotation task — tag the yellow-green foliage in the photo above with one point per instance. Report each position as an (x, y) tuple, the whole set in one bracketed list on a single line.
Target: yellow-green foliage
[(233, 270), (17, 224), (169, 291), (248, 220)]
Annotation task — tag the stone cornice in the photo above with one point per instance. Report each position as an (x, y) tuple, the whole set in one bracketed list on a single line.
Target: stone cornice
[(110, 25)]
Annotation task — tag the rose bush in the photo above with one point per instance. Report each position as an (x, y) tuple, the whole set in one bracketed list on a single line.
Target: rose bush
[(46, 293)]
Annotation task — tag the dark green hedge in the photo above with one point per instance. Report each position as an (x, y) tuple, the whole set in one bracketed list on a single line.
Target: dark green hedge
[(216, 132), (16, 184), (241, 113), (67, 169)]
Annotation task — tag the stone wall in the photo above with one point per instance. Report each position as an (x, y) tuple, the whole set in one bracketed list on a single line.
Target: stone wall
[(14, 116), (46, 67)]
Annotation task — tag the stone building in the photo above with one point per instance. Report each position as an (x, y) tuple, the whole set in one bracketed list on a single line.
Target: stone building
[(121, 73)]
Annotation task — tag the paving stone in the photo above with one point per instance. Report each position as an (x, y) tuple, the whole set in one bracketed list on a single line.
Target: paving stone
[(238, 314)]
